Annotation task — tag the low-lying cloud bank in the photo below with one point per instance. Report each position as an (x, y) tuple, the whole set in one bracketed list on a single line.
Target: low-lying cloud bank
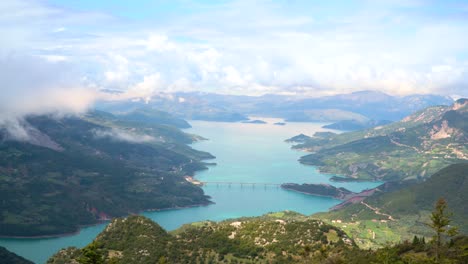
[(122, 135), (34, 86)]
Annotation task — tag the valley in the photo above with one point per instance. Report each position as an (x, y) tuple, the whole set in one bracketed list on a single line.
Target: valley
[(79, 171), (411, 149), (233, 132), (243, 153)]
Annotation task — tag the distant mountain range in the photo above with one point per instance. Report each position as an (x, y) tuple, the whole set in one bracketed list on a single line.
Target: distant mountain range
[(413, 148), (360, 107), (75, 171)]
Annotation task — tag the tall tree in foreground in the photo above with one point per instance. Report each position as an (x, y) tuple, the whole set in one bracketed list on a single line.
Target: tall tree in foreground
[(440, 223)]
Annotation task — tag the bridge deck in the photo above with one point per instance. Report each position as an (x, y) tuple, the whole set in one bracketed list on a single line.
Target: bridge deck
[(240, 183)]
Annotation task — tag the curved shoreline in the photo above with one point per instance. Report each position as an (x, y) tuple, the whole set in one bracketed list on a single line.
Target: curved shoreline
[(57, 235), (80, 227)]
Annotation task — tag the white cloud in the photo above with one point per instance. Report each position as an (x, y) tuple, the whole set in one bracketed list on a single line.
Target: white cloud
[(33, 85), (159, 43), (117, 72), (238, 47), (60, 29), (122, 135), (150, 85), (14, 127)]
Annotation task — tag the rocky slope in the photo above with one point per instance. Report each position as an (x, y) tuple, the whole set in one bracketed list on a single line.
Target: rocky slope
[(413, 148)]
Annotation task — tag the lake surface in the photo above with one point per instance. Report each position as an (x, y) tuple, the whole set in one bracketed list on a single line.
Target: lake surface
[(244, 153)]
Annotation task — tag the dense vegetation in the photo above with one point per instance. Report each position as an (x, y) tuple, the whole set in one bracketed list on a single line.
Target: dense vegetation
[(7, 257), (283, 237), (76, 171), (414, 148), (403, 212), (153, 116), (318, 189)]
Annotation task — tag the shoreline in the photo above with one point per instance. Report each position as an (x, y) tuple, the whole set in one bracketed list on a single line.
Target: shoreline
[(56, 235), (320, 195), (175, 208), (101, 222), (348, 179), (334, 177), (80, 227)]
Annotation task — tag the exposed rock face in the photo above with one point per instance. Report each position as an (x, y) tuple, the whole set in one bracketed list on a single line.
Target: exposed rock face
[(461, 104), (436, 136), (444, 131), (38, 138)]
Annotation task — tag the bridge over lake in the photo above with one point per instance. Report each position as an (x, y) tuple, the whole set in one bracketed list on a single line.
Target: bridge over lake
[(242, 184)]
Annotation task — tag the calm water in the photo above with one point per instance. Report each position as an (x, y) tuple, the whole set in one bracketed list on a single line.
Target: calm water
[(244, 153)]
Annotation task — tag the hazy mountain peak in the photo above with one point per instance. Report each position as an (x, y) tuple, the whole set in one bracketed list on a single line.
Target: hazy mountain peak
[(370, 92), (461, 104)]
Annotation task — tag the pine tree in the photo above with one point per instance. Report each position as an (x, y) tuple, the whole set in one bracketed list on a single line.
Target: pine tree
[(440, 223)]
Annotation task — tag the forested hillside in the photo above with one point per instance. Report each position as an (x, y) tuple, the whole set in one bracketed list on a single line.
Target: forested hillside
[(74, 171), (413, 148), (404, 212), (283, 237)]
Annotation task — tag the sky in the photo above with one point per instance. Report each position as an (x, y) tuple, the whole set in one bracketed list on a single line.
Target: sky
[(61, 54)]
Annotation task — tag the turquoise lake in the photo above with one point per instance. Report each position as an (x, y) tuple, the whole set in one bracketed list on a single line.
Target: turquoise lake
[(244, 153)]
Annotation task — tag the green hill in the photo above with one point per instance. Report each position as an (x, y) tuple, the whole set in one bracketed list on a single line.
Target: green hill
[(7, 257), (276, 238), (283, 237), (413, 148), (404, 212), (76, 171)]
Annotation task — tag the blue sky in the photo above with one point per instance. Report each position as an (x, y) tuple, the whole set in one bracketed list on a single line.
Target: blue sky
[(292, 47)]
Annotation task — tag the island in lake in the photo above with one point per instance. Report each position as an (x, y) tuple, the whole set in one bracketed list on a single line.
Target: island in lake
[(328, 190), (256, 121)]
